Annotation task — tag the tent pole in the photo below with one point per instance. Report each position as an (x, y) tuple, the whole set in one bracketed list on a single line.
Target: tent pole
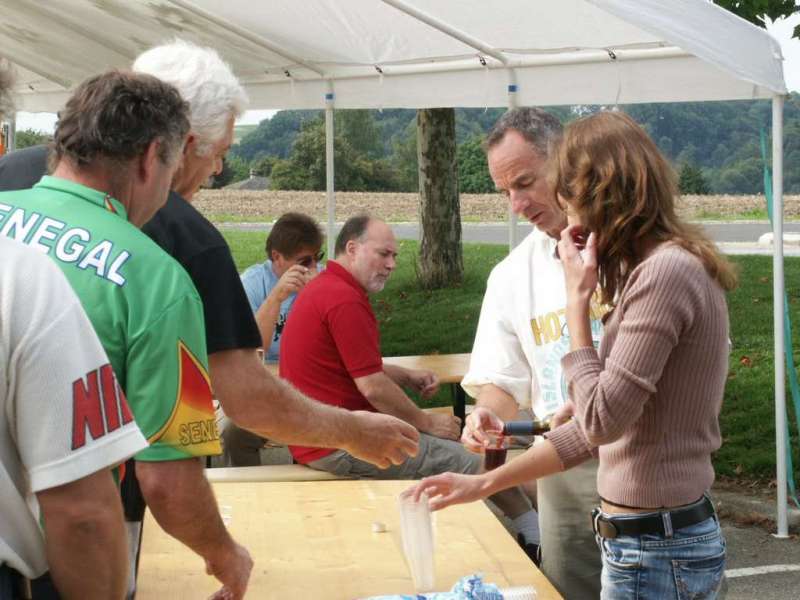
[(512, 216), (447, 29), (329, 172), (12, 132), (778, 296)]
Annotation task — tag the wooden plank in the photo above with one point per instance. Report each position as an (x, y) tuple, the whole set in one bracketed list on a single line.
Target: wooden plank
[(450, 368), (267, 473), (315, 540)]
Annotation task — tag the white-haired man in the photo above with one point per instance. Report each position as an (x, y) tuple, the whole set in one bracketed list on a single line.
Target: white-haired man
[(249, 395)]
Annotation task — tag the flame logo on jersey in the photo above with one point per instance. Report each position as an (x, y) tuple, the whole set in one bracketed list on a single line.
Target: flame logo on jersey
[(109, 206), (192, 426)]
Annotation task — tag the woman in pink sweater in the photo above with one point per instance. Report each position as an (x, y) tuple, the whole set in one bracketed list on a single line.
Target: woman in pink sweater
[(647, 401)]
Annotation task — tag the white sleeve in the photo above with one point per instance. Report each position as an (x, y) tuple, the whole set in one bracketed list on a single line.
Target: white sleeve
[(497, 355), (69, 416)]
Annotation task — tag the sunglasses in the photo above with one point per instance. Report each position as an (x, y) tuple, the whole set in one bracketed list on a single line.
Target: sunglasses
[(307, 261)]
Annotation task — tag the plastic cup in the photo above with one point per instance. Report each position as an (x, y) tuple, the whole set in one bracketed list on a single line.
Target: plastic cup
[(416, 530), (527, 592), (494, 455)]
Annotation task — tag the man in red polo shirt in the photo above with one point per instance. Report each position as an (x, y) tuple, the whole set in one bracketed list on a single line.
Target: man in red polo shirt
[(330, 350)]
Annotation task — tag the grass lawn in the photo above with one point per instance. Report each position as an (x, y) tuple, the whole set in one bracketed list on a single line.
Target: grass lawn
[(750, 215), (444, 321)]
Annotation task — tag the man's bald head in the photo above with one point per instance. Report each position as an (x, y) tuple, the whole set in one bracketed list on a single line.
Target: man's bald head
[(367, 248)]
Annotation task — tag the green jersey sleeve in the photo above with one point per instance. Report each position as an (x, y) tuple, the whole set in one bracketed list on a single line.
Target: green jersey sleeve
[(169, 387)]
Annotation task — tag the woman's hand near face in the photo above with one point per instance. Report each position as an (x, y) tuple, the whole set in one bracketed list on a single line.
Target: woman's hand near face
[(580, 276), (580, 265)]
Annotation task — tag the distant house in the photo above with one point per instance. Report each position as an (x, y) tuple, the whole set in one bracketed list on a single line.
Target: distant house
[(254, 182)]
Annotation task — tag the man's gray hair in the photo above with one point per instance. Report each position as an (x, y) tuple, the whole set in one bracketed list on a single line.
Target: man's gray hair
[(6, 81), (204, 80), (538, 127), (355, 228)]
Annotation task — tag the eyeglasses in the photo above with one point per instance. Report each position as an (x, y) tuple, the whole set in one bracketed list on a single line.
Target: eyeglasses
[(308, 260)]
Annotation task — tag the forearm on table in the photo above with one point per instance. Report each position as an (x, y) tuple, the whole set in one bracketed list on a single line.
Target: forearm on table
[(500, 402), (396, 373), (540, 460), (268, 406), (266, 319), (388, 398), (84, 525), (182, 502)]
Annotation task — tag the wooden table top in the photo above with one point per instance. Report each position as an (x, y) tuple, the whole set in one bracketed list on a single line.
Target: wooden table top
[(450, 368), (315, 540)]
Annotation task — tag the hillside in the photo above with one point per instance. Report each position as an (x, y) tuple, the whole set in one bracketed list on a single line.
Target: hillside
[(721, 139)]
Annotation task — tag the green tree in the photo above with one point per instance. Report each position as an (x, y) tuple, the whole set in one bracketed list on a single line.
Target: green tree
[(274, 136), (358, 127), (305, 167), (286, 177), (262, 167), (687, 155), (404, 160), (691, 180), (743, 177), (29, 137), (233, 169), (473, 172), (755, 10)]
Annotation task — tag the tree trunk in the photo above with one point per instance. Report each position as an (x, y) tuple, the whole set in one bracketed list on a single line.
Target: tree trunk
[(440, 260)]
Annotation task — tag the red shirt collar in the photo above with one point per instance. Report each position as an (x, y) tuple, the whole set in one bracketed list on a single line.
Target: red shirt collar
[(337, 270)]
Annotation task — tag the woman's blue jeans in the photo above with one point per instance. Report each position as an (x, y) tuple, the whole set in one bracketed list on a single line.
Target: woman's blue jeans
[(690, 564)]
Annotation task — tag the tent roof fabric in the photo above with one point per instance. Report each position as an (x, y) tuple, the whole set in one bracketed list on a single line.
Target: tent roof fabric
[(408, 53)]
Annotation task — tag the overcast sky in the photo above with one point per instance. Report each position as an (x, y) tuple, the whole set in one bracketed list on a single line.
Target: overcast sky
[(781, 29)]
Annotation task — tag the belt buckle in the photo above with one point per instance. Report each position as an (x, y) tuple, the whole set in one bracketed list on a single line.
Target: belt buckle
[(602, 526)]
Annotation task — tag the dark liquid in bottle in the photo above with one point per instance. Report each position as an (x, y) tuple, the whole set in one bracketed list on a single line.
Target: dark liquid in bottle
[(494, 458)]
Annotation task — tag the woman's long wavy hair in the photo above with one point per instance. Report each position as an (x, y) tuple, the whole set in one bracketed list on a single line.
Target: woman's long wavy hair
[(614, 178)]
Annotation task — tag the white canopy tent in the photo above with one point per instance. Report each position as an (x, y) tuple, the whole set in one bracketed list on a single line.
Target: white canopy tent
[(423, 54)]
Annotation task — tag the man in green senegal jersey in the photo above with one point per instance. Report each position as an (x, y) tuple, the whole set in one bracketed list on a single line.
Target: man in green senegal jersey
[(117, 146)]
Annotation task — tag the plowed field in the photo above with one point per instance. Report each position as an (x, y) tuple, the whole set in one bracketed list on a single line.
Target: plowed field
[(257, 206)]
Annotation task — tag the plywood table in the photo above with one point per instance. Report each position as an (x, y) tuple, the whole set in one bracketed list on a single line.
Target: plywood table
[(315, 540), (449, 368)]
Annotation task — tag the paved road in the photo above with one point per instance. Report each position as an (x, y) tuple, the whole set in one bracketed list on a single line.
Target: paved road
[(744, 232), (497, 233), (761, 566), (734, 237)]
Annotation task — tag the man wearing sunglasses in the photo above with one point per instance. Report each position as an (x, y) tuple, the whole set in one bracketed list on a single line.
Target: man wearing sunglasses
[(293, 252)]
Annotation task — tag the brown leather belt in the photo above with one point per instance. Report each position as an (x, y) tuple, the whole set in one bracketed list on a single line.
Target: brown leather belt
[(658, 523)]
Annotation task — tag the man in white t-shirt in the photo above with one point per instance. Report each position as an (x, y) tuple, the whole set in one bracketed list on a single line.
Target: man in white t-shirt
[(64, 422), (521, 337)]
